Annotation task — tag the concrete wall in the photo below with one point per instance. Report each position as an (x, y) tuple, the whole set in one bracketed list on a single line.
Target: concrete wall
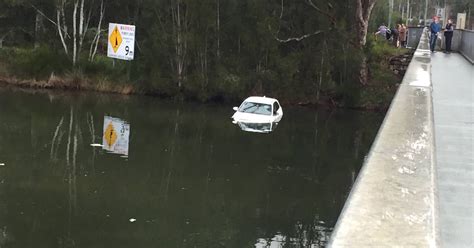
[(466, 48), (392, 202), (414, 34)]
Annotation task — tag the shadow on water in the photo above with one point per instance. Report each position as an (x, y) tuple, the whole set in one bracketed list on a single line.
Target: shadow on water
[(190, 177)]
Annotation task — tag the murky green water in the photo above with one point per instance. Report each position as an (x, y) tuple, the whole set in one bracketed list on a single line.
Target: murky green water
[(191, 177)]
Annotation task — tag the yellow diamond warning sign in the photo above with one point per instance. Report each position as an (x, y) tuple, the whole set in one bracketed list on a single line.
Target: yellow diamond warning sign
[(110, 135), (115, 39)]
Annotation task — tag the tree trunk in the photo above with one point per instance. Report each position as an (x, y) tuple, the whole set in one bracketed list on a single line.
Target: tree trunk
[(179, 29), (218, 29), (363, 71), (408, 11), (390, 12), (60, 31), (38, 29), (74, 34), (82, 28), (95, 41), (363, 11)]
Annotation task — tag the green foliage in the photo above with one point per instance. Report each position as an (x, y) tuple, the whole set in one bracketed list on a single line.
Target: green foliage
[(103, 66), (38, 63), (381, 49), (383, 83), (215, 49)]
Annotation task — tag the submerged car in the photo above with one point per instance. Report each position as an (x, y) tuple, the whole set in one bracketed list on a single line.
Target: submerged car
[(257, 109)]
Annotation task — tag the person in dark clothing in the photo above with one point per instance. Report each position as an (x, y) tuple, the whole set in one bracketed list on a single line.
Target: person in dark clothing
[(448, 35), (395, 33), (434, 30)]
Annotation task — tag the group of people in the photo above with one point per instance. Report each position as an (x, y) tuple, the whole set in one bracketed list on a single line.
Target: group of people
[(398, 34), (435, 31)]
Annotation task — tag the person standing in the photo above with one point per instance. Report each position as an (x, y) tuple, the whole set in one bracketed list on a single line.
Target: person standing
[(402, 30), (395, 34), (405, 43), (434, 30), (448, 35)]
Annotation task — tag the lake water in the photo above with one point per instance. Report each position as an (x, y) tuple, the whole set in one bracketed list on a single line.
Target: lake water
[(184, 177)]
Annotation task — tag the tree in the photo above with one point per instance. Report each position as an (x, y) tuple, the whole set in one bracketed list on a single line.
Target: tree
[(81, 18), (363, 11)]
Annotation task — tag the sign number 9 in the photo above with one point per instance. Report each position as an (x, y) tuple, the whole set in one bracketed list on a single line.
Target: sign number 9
[(127, 50)]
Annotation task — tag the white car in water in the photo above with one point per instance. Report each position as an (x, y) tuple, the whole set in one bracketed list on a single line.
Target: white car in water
[(257, 109)]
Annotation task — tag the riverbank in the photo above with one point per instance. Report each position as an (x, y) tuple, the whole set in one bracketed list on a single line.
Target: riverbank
[(70, 82), (373, 102), (44, 69)]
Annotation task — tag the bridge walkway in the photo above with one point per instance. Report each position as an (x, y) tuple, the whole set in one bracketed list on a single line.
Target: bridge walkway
[(452, 79)]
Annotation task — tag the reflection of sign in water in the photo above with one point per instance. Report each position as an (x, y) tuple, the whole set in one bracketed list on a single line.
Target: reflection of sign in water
[(116, 135)]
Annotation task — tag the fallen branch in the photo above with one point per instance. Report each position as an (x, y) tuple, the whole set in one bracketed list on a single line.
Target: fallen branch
[(295, 38)]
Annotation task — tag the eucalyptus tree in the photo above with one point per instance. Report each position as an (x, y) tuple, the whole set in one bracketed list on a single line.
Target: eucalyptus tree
[(363, 12), (75, 15)]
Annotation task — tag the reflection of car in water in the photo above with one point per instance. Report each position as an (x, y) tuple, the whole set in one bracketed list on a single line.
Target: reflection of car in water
[(258, 114), (257, 127), (256, 109)]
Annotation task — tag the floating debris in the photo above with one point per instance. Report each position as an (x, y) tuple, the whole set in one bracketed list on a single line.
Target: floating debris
[(132, 220), (96, 145)]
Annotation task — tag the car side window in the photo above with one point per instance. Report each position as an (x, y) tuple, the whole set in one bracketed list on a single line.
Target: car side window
[(275, 108)]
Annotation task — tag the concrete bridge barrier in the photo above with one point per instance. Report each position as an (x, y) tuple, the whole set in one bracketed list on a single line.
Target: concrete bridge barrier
[(463, 42), (394, 199)]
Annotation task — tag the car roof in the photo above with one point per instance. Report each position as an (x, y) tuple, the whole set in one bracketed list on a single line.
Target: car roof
[(261, 99)]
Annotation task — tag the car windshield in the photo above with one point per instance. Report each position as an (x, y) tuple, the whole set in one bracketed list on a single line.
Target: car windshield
[(256, 108)]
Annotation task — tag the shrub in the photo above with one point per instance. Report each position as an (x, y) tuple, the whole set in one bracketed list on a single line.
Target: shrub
[(38, 63)]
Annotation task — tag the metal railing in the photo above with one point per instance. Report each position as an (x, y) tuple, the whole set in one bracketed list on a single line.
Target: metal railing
[(463, 42)]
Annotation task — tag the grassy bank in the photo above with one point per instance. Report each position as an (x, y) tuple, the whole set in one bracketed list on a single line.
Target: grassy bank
[(50, 69)]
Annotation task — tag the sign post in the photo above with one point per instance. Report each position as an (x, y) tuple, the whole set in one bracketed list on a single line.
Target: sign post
[(121, 43), (461, 21)]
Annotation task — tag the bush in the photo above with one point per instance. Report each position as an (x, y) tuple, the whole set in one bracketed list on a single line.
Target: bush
[(38, 63)]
